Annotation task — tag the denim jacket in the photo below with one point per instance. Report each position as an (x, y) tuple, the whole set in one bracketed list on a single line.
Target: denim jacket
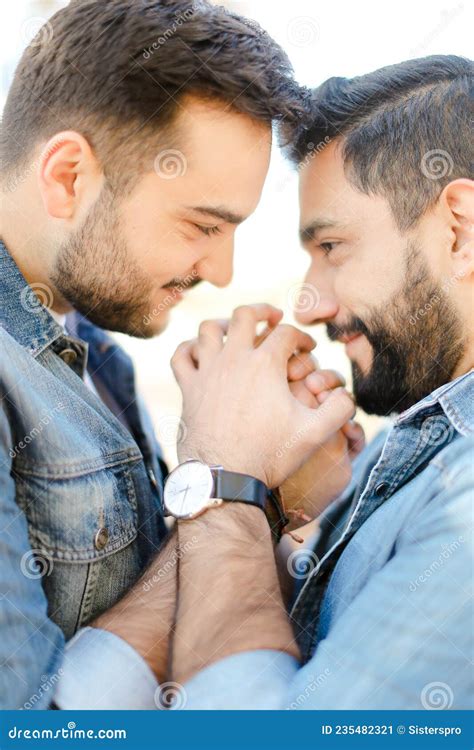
[(384, 616), (80, 494)]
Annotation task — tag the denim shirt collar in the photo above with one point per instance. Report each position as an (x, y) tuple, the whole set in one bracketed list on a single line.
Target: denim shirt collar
[(21, 313), (455, 399)]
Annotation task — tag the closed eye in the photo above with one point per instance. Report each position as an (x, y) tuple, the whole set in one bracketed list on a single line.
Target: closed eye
[(208, 231), (327, 247)]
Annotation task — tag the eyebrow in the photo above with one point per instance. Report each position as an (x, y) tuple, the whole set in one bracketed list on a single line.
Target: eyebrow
[(309, 232), (219, 212)]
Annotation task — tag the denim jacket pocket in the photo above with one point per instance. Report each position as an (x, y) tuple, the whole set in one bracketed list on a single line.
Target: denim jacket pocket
[(80, 512)]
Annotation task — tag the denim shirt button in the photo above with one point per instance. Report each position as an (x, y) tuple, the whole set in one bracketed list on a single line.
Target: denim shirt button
[(380, 488), (68, 356), (101, 538)]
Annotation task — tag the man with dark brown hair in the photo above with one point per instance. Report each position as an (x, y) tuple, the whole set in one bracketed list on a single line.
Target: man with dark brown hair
[(136, 137)]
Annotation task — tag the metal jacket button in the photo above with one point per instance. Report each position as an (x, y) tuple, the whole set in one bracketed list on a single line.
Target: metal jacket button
[(68, 356), (101, 538)]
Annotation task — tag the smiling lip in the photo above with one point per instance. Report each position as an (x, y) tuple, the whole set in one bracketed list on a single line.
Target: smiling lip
[(349, 337)]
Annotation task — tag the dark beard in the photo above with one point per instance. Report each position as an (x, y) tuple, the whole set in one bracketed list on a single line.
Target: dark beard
[(417, 341), (94, 273)]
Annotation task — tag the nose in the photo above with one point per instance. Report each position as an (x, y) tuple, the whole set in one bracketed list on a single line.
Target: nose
[(316, 302), (218, 266)]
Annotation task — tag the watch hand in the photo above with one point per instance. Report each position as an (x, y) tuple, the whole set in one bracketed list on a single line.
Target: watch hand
[(184, 496)]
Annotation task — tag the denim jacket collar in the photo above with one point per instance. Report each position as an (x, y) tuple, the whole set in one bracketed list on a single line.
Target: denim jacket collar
[(31, 325), (455, 399), (21, 312)]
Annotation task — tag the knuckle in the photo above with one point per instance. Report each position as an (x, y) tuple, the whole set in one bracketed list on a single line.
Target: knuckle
[(243, 312), (207, 327), (287, 328), (180, 349)]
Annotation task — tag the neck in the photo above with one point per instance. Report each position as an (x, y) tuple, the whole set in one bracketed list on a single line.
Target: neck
[(30, 253), (465, 364)]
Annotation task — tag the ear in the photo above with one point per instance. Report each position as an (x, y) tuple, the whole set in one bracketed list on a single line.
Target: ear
[(69, 175), (458, 198)]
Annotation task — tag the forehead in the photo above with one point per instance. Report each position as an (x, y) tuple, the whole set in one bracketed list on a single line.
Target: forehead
[(326, 192), (227, 153)]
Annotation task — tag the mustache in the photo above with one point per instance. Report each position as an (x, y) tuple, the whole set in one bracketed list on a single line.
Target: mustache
[(182, 284), (351, 328)]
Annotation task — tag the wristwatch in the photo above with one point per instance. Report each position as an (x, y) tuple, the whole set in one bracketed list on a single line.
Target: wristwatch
[(194, 487)]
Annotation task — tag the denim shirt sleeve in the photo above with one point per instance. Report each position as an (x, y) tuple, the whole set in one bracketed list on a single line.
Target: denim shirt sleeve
[(31, 645), (401, 639), (102, 671)]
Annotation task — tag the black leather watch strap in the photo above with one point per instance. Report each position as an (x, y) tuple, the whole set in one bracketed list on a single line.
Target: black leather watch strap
[(242, 488)]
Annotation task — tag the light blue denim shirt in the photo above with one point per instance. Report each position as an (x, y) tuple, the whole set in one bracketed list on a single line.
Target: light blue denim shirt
[(391, 628), (392, 625), (385, 624)]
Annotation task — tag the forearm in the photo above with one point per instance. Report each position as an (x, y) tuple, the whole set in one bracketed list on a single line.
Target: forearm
[(144, 618), (229, 596)]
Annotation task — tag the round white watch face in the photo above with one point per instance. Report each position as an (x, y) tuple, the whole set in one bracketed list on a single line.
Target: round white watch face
[(188, 489)]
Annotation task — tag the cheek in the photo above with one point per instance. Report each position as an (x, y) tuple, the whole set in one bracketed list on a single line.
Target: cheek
[(350, 291), (168, 256)]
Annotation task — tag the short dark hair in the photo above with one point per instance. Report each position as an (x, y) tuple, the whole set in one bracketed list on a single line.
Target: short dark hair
[(117, 69), (405, 130)]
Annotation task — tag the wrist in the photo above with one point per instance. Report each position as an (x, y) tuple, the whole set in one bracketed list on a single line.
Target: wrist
[(230, 524), (213, 455)]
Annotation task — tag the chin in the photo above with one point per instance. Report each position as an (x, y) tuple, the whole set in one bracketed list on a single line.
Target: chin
[(153, 325)]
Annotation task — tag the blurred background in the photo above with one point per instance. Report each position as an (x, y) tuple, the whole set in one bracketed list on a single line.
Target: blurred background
[(322, 40)]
